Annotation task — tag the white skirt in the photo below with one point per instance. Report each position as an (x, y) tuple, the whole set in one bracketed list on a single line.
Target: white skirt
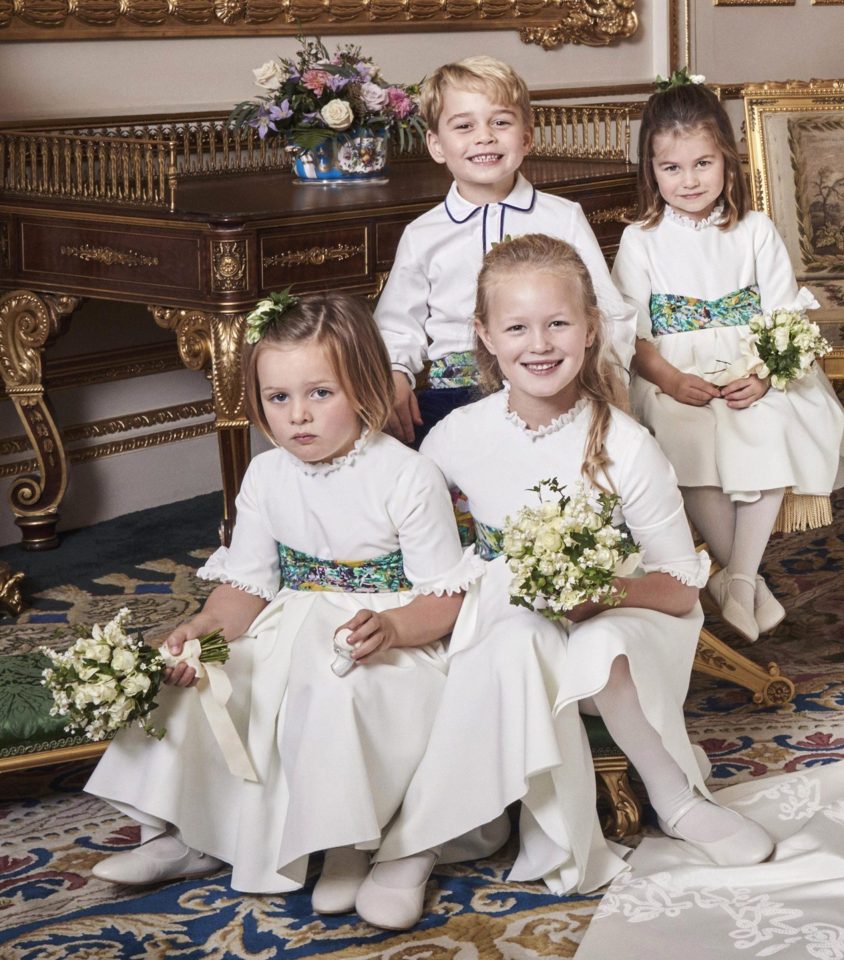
[(508, 728), (788, 438), (334, 755)]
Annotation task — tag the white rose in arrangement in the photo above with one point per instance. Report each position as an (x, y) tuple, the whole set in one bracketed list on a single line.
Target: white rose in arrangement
[(135, 684), (549, 541), (781, 338), (101, 652), (373, 96), (123, 661), (338, 114), (269, 75)]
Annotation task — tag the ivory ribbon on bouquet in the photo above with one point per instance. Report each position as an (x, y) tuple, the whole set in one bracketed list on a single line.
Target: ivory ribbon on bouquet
[(215, 690)]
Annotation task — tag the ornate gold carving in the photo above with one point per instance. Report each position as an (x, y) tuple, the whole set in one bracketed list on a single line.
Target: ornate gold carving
[(717, 659), (612, 215), (583, 21), (10, 589), (128, 258), (228, 260), (27, 323), (316, 256), (59, 751), (623, 811), (590, 22)]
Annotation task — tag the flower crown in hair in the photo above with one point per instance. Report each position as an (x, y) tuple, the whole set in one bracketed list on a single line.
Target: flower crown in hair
[(679, 78), (267, 312)]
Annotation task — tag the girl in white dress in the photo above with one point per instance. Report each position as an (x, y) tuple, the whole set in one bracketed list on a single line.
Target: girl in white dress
[(338, 527), (508, 727), (698, 265)]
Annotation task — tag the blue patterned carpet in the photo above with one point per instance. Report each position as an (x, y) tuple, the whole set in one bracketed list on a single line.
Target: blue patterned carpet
[(51, 908)]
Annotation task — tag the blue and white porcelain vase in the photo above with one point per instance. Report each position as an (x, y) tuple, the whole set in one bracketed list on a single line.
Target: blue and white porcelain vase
[(358, 155)]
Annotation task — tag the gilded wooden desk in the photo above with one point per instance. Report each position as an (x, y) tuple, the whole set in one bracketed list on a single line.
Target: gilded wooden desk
[(199, 262)]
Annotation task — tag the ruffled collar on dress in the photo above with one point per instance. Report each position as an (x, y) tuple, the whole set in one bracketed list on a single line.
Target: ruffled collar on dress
[(683, 220), (329, 466), (553, 427)]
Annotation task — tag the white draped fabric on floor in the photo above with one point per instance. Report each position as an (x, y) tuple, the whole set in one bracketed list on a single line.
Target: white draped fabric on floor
[(673, 903)]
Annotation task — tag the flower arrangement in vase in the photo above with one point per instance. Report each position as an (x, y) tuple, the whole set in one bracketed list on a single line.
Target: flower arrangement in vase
[(334, 110)]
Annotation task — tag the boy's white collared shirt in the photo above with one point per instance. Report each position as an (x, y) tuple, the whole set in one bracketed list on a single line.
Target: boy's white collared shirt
[(426, 308)]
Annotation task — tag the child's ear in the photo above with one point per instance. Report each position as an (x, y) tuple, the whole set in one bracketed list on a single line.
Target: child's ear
[(483, 336), (433, 143)]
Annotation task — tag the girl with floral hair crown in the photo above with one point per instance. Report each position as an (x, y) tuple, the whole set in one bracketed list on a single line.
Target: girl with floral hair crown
[(508, 727), (700, 267), (344, 574)]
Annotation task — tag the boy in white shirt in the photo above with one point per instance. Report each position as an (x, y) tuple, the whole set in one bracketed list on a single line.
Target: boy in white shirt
[(480, 126)]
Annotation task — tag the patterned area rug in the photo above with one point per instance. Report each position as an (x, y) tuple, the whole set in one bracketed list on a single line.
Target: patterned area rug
[(51, 908)]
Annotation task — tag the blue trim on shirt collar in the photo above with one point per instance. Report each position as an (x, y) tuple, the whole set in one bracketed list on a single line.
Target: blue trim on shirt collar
[(523, 192)]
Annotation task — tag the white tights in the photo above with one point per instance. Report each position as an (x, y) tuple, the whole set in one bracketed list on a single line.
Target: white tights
[(667, 785), (736, 533)]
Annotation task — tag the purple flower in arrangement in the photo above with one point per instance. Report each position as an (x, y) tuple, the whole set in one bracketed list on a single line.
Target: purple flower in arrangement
[(309, 119), (366, 71), (267, 116), (336, 82)]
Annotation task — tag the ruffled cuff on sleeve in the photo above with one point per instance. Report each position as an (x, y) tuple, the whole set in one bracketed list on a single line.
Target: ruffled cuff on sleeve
[(219, 567), (693, 571), (459, 578)]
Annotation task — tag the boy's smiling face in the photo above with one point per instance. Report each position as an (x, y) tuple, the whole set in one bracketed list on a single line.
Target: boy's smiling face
[(481, 142)]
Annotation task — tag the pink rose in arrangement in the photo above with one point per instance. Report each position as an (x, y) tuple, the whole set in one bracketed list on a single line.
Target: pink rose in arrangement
[(316, 81), (373, 96)]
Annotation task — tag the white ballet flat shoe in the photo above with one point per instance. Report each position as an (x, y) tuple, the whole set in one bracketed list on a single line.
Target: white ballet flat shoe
[(746, 845), (391, 908), (144, 866), (732, 611), (767, 610), (339, 882)]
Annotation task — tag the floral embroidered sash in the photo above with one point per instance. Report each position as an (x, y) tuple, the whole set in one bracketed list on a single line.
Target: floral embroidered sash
[(301, 571), (489, 541), (675, 314), (454, 370)]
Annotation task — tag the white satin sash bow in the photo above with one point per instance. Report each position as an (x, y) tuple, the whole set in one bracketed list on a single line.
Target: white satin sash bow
[(215, 689)]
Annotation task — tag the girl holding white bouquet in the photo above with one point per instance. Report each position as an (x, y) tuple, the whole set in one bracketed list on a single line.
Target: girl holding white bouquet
[(344, 551), (508, 727), (701, 267)]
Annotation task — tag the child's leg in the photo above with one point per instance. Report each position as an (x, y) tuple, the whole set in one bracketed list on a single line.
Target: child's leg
[(754, 523), (722, 834), (714, 517)]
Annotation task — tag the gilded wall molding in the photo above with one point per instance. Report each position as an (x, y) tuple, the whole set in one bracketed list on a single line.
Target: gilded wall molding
[(548, 23), (111, 425), (113, 447)]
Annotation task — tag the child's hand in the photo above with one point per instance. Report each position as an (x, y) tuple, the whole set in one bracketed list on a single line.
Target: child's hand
[(584, 611), (742, 393), (405, 410), (371, 633), (182, 675), (688, 388)]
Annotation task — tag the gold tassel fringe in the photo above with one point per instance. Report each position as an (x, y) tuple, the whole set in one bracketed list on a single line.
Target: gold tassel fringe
[(803, 512)]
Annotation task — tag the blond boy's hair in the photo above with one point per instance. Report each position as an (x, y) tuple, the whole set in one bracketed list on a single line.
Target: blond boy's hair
[(480, 74)]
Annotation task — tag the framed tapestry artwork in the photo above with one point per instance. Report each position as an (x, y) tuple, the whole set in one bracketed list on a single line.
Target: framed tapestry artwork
[(795, 135)]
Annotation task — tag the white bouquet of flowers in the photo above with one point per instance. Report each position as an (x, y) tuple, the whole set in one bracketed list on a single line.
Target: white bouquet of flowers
[(566, 551), (786, 344), (109, 679)]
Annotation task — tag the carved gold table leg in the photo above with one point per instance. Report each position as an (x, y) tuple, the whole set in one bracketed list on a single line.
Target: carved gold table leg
[(28, 321), (623, 811), (214, 341), (11, 597), (717, 659)]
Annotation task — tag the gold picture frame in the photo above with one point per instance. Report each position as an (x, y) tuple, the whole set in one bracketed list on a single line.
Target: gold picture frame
[(795, 136), (758, 3), (547, 23)]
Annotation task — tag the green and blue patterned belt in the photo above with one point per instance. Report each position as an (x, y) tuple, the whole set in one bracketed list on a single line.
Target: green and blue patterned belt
[(675, 314), (489, 541), (301, 571), (454, 370)]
